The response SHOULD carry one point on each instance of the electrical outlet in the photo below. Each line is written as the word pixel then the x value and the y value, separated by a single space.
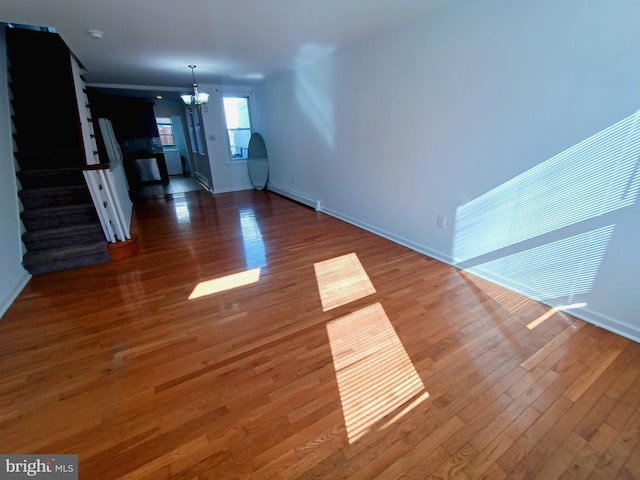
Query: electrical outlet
pixel 293 180
pixel 441 221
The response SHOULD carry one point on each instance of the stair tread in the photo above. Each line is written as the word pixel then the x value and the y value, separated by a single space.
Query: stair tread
pixel 47 160
pixel 47 171
pixel 50 190
pixel 66 209
pixel 51 177
pixel 48 153
pixel 69 263
pixel 60 253
pixel 61 231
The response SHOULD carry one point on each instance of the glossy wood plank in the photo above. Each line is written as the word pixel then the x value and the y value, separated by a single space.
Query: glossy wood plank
pixel 445 375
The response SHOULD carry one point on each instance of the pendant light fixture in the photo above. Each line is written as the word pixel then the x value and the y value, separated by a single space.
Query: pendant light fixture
pixel 196 99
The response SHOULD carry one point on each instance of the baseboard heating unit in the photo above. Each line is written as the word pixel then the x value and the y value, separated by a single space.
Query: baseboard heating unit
pixel 310 202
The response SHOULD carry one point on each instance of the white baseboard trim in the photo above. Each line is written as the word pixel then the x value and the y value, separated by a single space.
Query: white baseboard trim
pixel 621 328
pixel 583 313
pixel 8 297
pixel 390 236
pixel 298 197
pixel 608 323
pixel 232 189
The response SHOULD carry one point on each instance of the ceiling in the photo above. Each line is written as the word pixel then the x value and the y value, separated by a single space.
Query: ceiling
pixel 151 42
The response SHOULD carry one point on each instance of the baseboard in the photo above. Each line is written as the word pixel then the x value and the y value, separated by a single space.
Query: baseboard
pixel 623 329
pixel 232 189
pixel 390 236
pixel 8 297
pixel 298 197
pixel 582 313
pixel 608 323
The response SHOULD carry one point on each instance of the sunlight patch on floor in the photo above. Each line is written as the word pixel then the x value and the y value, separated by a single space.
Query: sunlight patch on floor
pixel 342 280
pixel 551 312
pixel 228 282
pixel 374 372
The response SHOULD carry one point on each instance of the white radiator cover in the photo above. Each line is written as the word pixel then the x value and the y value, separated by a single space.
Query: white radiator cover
pixel 310 202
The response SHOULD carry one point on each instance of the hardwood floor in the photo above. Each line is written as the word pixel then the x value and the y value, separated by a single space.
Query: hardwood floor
pixel 310 349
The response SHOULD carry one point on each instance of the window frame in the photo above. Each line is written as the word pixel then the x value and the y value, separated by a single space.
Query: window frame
pixel 245 92
pixel 168 123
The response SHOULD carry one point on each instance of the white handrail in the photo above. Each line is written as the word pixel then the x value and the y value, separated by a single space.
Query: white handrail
pixel 106 183
pixel 103 193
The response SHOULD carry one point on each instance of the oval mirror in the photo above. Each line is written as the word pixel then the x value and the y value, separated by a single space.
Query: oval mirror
pixel 257 162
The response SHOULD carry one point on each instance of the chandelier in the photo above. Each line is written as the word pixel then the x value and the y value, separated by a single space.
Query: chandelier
pixel 196 99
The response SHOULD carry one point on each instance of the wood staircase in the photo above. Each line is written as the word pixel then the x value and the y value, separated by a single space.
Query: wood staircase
pixel 62 227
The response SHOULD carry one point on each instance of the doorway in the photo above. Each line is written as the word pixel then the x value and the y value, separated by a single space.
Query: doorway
pixel 199 154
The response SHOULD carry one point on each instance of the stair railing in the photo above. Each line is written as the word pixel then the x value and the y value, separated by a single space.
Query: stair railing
pixel 106 182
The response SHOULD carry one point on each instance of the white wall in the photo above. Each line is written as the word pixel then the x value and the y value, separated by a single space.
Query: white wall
pixel 425 120
pixel 13 277
pixel 228 175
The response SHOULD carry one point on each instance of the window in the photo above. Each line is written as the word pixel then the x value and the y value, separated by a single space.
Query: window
pixel 237 114
pixel 165 130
